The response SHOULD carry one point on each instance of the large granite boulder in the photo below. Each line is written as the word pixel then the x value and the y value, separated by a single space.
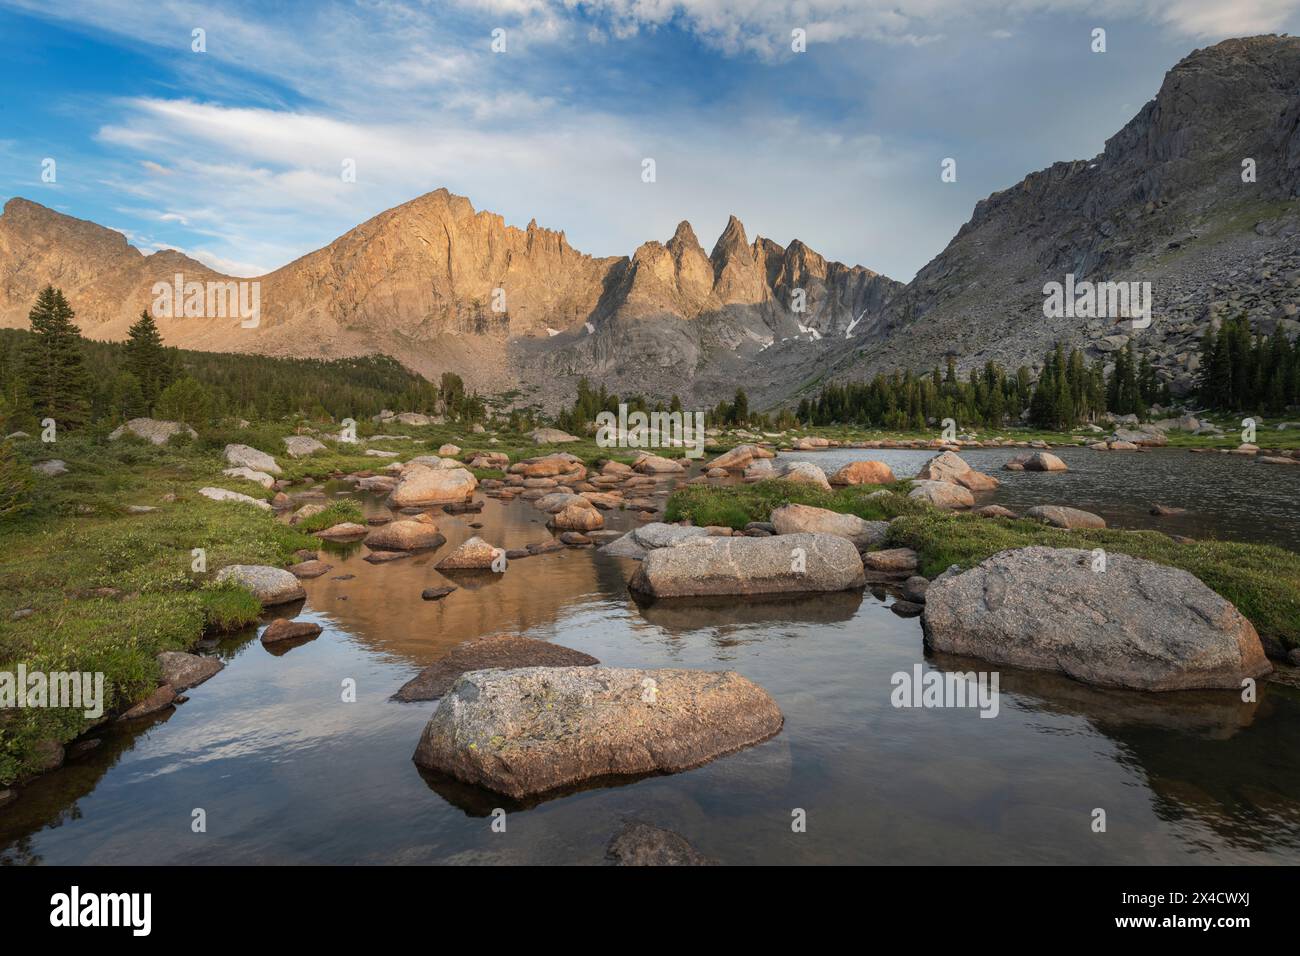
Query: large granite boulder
pixel 269 585
pixel 534 730
pixel 551 436
pixel 574 517
pixel 300 446
pixel 656 534
pixel 952 468
pixel 246 456
pixel 153 430
pixel 548 466
pixel 223 494
pixel 942 494
pixel 864 473
pixel 785 564
pixel 1044 461
pixel 421 485
pixel 648 464
pixel 248 474
pixel 404 535
pixel 802 471
pixel 1136 624
pixel 740 457
pixel 798 519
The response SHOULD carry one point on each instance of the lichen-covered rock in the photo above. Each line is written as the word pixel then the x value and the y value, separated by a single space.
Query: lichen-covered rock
pixel 535 730
pixel 785 564
pixel 1136 624
pixel 246 456
pixel 300 446
pixel 421 485
pixel 942 494
pixel 269 585
pixel 153 430
pixel 797 519
pixel 248 474
pixel 404 535
pixel 223 494
pixel 740 457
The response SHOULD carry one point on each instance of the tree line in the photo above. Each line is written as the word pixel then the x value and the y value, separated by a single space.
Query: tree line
pixel 52 371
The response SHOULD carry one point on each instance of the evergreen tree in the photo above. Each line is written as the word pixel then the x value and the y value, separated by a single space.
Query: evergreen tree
pixel 185 400
pixel 146 358
pixel 58 385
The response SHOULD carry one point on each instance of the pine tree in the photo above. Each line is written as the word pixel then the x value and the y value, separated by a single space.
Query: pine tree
pixel 146 358
pixel 57 382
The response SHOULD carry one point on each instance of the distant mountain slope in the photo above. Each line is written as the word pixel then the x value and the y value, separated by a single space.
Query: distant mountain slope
pixel 1164 202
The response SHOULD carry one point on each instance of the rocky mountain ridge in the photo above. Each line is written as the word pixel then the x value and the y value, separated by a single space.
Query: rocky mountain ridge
pixel 443 287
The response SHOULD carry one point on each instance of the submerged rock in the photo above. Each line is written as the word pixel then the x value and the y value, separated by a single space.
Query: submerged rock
pixel 1137 624
pixel 640 844
pixel 502 651
pixel 309 569
pixel 786 564
pixel 534 730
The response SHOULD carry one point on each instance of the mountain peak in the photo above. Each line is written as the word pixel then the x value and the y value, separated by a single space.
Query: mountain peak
pixel 731 243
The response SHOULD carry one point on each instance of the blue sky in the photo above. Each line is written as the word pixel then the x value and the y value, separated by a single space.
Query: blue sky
pixel 234 155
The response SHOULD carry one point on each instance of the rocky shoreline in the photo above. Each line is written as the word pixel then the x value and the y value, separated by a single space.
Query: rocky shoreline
pixel 1107 629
